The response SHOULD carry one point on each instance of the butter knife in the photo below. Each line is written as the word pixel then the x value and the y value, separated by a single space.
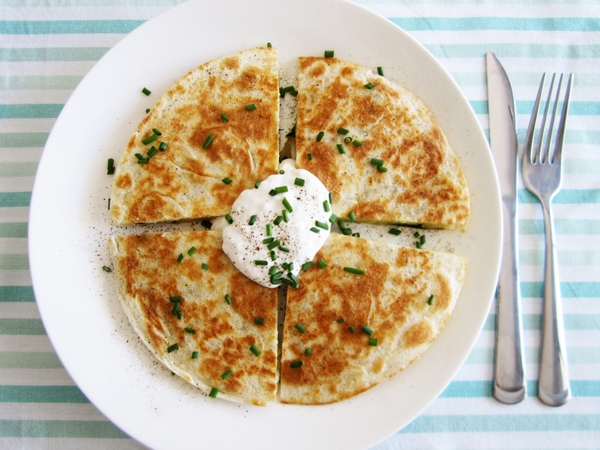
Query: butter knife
pixel 509 377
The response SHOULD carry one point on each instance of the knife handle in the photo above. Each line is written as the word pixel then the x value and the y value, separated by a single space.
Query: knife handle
pixel 509 376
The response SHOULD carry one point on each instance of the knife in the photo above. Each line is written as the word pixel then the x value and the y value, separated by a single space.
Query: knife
pixel 509 377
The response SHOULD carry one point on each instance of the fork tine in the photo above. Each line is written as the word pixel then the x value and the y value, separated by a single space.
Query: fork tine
pixel 528 145
pixel 562 126
pixel 545 156
pixel 539 155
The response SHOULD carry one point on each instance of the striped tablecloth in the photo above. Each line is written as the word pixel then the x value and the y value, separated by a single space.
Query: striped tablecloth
pixel 48 46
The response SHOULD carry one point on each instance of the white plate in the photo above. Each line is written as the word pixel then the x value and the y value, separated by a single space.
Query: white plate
pixel 69 224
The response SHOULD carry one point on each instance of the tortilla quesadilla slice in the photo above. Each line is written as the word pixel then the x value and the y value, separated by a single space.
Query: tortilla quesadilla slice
pixel 381 153
pixel 345 332
pixel 209 137
pixel 200 316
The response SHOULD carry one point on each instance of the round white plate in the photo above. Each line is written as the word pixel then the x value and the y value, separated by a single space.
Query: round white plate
pixel 69 225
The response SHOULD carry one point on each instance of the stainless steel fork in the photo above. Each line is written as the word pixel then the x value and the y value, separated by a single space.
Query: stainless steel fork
pixel 542 175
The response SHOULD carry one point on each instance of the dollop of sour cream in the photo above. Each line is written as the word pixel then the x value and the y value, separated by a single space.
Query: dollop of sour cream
pixel 285 220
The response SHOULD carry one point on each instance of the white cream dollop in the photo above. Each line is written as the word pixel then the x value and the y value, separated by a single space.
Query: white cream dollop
pixel 243 243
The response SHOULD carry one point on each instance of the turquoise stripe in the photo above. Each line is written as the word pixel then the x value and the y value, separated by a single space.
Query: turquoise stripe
pixel 13 230
pixel 15 140
pixel 575 322
pixel 68 26
pixel 82 429
pixel 14 262
pixel 39 82
pixel 564 196
pixel 486 423
pixel 52 54
pixel 13 199
pixel 30 111
pixel 561 226
pixel 30 327
pixel 21 294
pixel 29 360
pixel 565 257
pixel 497 23
pixel 41 394
pixel 103 3
pixel 482 389
pixel 18 169
pixel 532 51
pixel 575 355
pixel 526 107
pixel 571 289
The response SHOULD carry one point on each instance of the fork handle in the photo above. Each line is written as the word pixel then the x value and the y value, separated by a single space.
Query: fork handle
pixel 554 387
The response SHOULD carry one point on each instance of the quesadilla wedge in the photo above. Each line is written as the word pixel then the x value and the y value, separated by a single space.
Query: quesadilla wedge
pixel 374 309
pixel 381 154
pixel 198 314
pixel 209 137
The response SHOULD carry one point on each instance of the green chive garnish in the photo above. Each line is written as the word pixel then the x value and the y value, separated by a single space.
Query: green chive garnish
pixel 194 355
pixel 251 107
pixel 416 234
pixel 149 139
pixel 272 270
pixel 296 364
pixel 227 374
pixel 278 190
pixel 382 169
pixel 260 262
pixel 269 229
pixel 310 156
pixel 213 393
pixel 369 85
pixel 281 172
pixel 252 219
pixel 290 266
pixel 307 265
pixel 357 143
pixel 208 140
pixel 395 231
pixel 356 234
pixel 107 269
pixel 284 249
pixel 367 330
pixel 340 320
pixel 376 161
pixel 380 70
pixel 228 299
pixel 143 161
pixel 276 281
pixel 351 329
pixel 190 330
pixel 320 136
pixel 278 220
pixel 224 117
pixel 431 299
pixel 341 149
pixel 254 349
pixel 308 351
pixel 343 131
pixel 256 185
pixel 139 156
pixel 110 168
pixel 172 348
pixel 175 299
pixel 180 258
pixel 328 53
pixel 162 146
pixel 272 245
pixel 422 239
pixel 191 251
pixel 259 321
pixel 326 206
pixel 206 224
pixel 373 342
pixel 286 215
pixel 108 202
pixel 300 328
pixel 204 266
pixel 147 110
pixel 146 91
pixel 332 218
pixel 299 182
pixel 273 255
pixel 156 132
pixel 176 311
pixel 315 230
pixel 269 45
pixel 330 198
pixel 229 219
pixel 268 240
pixel 351 216
pixel 321 225
pixel 287 205
pixel 227 180
pixel 354 270
pixel 322 264
pixel 153 151
pixel 347 140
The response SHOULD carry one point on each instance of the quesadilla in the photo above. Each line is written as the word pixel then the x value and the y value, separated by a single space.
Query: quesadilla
pixel 199 315
pixel 362 315
pixel 209 137
pixel 376 147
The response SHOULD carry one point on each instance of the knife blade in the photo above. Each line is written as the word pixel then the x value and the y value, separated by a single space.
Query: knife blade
pixel 509 375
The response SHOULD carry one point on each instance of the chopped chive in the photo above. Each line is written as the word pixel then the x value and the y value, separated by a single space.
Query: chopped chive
pixel 326 206
pixel 204 266
pixel 162 146
pixel 296 364
pixel 300 328
pixel 431 299
pixel 285 265
pixel 180 258
pixel 367 330
pixel 321 225
pixel 277 274
pixel 376 161
pixel 320 136
pixel 156 132
pixel 351 329
pixel 229 219
pixel 341 225
pixel 340 320
pixel 273 255
pixel 224 117
pixel 299 181
pixel 194 355
pixel 276 281
pixel 146 91
pixel 278 190
pixel 254 349
pixel 322 264
pixel 107 269
pixel 269 45
pixel 108 202
pixel 143 161
pixel 284 249
pixel 269 229
pixel 315 230
pixel 206 224
pixel 286 215
pixel 341 149
pixel 293 277
pixel 357 143
pixel 139 156
pixel 347 140
pixel 252 219
pixel 228 299
pixel 382 169
pixel 332 218
pixel 343 131
pixel 259 321
pixel 227 180
pixel 308 351
pixel 172 348
pixel 272 245
pixel 347 231
pixel 307 265
pixel 328 53
pixel 227 374
pixel 416 234
pixel 290 266
pixel 369 85
pixel 330 198
pixel 284 90
pixel 395 231
pixel 260 262
pixel 147 110
pixel 149 139
pixel 190 330
pixel 213 393
pixel 251 107
pixel 380 70
pixel 208 140
pixel 268 240
pixel 256 185
pixel 373 342
pixel 310 157
pixel 356 234
pixel 287 205
pixel 110 167
pixel 354 270
pixel 191 251
pixel 272 270
pixel 175 299
pixel 153 151
pixel 422 239
pixel 351 216
pixel 176 311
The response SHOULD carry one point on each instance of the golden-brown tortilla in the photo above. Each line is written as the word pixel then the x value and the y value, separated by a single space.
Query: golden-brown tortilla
pixel 185 180
pixel 424 183
pixel 149 276
pixel 391 299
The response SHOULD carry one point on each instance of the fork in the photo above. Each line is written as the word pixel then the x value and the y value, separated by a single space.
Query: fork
pixel 542 175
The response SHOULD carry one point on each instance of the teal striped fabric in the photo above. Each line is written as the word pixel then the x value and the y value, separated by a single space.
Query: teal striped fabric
pixel 48 46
